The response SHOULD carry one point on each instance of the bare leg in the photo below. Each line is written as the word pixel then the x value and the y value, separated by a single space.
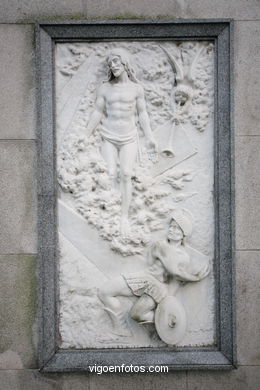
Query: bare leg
pixel 116 287
pixel 143 310
pixel 127 157
pixel 110 155
pixel 108 295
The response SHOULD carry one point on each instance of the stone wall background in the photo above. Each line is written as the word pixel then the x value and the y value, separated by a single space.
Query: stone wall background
pixel 18 205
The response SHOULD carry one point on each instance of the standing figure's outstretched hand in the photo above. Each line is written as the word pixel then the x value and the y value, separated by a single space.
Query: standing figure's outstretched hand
pixel 152 150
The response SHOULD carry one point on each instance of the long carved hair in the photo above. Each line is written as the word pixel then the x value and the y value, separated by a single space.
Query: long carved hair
pixel 123 55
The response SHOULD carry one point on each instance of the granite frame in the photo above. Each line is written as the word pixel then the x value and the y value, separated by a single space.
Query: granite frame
pixel 222 355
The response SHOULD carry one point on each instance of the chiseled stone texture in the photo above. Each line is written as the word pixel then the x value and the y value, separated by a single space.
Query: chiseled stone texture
pixel 17 80
pixel 162 381
pixel 18 233
pixel 18 292
pixel 247 78
pixel 244 378
pixel 247 192
pixel 25 11
pixel 248 303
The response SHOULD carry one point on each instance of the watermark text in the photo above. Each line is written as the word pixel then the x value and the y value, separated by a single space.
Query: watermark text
pixel 131 368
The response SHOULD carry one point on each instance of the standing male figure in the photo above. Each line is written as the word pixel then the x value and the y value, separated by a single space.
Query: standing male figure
pixel 118 101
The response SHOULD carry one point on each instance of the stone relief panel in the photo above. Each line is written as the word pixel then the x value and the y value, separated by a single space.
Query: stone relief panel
pixel 135 208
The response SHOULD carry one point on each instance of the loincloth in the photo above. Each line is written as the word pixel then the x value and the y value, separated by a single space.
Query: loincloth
pixel 144 283
pixel 118 139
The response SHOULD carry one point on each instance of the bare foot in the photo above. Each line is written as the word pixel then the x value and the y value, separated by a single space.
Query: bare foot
pixel 122 331
pixel 119 324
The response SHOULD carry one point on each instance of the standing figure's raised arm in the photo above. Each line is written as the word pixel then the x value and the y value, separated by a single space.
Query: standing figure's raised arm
pixel 145 124
pixel 142 113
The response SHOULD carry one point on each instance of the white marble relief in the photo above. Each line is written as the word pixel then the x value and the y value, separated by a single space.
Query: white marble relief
pixel 129 160
pixel 169 262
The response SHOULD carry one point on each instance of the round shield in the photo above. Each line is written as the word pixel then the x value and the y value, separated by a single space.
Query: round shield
pixel 170 320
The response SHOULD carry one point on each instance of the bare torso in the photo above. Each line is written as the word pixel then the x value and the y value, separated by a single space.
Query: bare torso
pixel 120 106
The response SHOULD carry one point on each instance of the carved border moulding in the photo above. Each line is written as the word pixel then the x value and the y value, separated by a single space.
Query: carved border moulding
pixel 135 194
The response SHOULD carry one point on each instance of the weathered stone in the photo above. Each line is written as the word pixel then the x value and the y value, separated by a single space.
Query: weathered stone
pixel 10 359
pixel 77 381
pixel 248 303
pixel 175 9
pixel 247 78
pixel 17 311
pixel 17 79
pixel 28 11
pixel 29 380
pixel 18 233
pixel 149 381
pixel 245 378
pixel 18 218
pixel 247 192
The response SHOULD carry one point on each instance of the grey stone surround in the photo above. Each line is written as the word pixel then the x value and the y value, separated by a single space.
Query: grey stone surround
pixel 18 234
